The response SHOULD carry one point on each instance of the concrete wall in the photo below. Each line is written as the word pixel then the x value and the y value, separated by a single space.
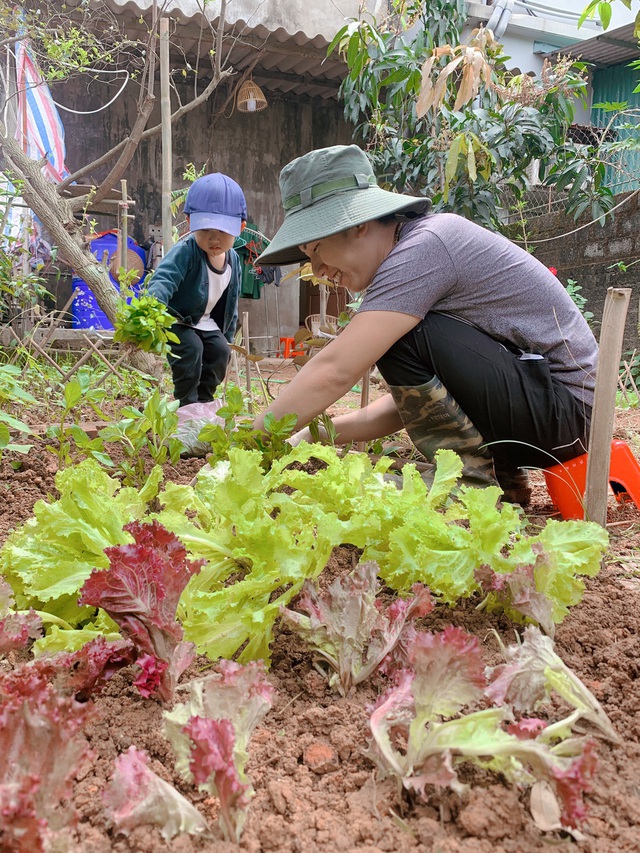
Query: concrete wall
pixel 587 255
pixel 251 148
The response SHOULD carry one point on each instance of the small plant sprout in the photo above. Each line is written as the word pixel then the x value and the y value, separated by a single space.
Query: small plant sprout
pixel 16 629
pixel 348 628
pixel 137 796
pixel 210 734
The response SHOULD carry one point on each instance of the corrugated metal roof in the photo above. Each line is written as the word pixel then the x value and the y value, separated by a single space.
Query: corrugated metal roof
pixel 613 47
pixel 288 39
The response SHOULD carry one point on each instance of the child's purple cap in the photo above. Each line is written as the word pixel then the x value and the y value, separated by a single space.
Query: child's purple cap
pixel 216 201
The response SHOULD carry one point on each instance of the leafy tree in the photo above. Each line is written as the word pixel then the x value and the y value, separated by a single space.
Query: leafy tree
pixel 448 120
pixel 602 9
pixel 85 38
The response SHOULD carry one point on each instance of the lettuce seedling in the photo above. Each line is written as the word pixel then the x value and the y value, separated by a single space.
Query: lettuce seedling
pixel 210 734
pixel 83 672
pixel 515 593
pixel 421 735
pixel 347 627
pixel 136 795
pixel 41 744
pixel 140 591
pixel 16 629
pixel 532 670
pixel 213 768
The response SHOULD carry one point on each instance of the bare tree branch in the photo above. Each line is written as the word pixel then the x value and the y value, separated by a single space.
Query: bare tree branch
pixel 150 131
pixel 128 150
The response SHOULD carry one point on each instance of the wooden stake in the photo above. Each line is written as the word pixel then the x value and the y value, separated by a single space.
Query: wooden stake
pixel 123 210
pixel 364 401
pixel 247 360
pixel 615 312
pixel 167 154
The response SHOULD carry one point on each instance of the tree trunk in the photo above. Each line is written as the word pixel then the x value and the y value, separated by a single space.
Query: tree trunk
pixel 57 217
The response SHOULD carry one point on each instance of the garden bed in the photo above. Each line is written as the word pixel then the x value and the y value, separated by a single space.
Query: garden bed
pixel 315 789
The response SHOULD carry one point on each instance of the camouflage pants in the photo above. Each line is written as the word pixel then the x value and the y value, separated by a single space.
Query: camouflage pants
pixel 434 420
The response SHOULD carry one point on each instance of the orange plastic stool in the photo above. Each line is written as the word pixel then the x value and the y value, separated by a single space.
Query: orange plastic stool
pixel 567 482
pixel 288 348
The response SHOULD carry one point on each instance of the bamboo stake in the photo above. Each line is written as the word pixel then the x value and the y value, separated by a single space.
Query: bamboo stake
pixel 364 401
pixel 604 404
pixel 167 154
pixel 247 360
pixel 123 210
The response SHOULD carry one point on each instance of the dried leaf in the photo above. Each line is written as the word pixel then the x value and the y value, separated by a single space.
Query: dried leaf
pixel 545 809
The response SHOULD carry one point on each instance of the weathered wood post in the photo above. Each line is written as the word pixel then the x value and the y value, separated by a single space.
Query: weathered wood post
pixel 165 118
pixel 604 404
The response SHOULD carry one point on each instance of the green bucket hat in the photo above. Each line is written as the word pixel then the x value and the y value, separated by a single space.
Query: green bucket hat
pixel 327 191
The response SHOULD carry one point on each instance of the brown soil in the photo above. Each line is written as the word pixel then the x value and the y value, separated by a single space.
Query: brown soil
pixel 315 790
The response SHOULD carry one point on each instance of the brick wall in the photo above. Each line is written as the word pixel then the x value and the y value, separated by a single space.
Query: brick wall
pixel 587 255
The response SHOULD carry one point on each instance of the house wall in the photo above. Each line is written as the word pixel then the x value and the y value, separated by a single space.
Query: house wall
pixel 616 85
pixel 250 148
pixel 587 256
pixel 536 27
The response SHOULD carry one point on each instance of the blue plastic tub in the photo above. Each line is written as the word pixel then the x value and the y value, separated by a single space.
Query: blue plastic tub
pixel 85 311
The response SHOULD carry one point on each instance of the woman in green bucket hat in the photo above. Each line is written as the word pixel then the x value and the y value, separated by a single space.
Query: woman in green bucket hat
pixel 482 348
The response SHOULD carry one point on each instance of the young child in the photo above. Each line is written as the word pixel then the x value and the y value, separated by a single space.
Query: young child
pixel 199 281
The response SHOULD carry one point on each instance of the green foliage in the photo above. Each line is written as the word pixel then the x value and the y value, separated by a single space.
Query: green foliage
pixel 466 159
pixel 600 9
pixel 77 392
pixel 65 44
pixel 190 175
pixel 263 533
pixel 145 322
pixel 47 560
pixel 238 432
pixel 573 289
pixel 151 430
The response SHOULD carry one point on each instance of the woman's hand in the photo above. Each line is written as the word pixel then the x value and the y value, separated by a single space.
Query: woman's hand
pixel 300 436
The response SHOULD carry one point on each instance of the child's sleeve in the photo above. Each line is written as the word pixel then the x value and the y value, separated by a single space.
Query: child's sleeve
pixel 170 273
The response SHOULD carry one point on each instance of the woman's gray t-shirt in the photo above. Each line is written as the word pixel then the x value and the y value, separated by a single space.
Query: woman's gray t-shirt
pixel 443 262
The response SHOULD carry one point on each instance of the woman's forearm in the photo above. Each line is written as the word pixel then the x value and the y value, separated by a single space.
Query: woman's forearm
pixel 376 420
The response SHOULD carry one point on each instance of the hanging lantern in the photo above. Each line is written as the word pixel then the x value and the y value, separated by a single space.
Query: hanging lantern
pixel 250 98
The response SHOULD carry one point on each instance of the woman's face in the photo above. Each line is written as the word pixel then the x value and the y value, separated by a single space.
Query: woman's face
pixel 350 259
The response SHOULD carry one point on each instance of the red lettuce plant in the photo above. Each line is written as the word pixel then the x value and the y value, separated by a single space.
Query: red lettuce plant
pixel 421 734
pixel 41 744
pixel 532 671
pixel 16 629
pixel 213 768
pixel 136 795
pixel 140 591
pixel 516 594
pixel 348 627
pixel 84 672
pixel 210 734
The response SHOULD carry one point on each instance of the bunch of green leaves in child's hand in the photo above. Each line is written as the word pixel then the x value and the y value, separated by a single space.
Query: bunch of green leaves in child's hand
pixel 145 322
pixel 238 431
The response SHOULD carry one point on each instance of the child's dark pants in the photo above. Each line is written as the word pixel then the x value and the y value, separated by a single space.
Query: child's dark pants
pixel 198 363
